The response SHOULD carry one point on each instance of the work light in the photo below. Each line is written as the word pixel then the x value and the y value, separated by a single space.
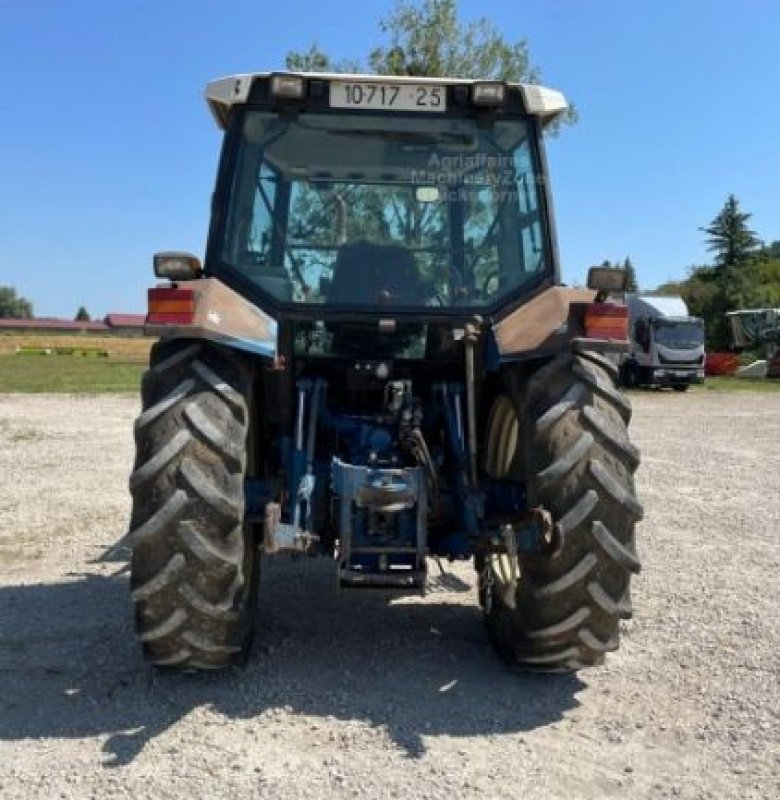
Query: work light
pixel 607 279
pixel 290 86
pixel 176 266
pixel 488 93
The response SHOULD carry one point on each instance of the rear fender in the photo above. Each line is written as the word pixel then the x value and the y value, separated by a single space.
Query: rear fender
pixel 550 322
pixel 222 316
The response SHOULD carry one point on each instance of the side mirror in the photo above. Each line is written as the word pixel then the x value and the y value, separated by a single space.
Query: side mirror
pixel 177 266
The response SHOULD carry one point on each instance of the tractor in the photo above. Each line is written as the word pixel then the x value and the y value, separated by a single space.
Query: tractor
pixel 377 362
pixel 757 329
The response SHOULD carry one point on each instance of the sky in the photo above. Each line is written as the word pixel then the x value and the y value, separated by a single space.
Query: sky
pixel 108 152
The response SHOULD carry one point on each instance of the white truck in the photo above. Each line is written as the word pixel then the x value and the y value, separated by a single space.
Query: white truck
pixel 667 343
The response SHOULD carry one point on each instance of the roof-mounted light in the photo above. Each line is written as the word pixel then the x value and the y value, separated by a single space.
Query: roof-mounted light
pixel 177 266
pixel 288 86
pixel 488 93
pixel 226 93
pixel 607 279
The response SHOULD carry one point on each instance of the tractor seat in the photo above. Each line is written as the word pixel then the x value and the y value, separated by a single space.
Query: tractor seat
pixel 366 273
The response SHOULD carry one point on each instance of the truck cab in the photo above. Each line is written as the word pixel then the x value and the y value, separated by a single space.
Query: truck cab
pixel 667 344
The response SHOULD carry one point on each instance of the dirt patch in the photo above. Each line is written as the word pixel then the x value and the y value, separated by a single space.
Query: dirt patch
pixel 351 695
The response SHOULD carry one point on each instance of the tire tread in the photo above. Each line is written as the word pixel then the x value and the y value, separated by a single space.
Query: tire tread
pixel 581 464
pixel 193 559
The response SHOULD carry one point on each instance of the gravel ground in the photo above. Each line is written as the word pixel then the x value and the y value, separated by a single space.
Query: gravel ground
pixel 349 695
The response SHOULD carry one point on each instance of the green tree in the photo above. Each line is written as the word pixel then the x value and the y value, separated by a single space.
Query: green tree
pixel 729 236
pixel 743 275
pixel 631 282
pixel 763 285
pixel 315 60
pixel 735 246
pixel 14 306
pixel 427 38
pixel 82 315
pixel 670 289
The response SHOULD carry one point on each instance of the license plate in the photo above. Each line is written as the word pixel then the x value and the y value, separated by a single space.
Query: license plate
pixel 387 96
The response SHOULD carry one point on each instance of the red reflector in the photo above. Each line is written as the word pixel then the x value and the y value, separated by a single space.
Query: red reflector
pixel 170 318
pixel 606 310
pixel 606 321
pixel 170 294
pixel 171 306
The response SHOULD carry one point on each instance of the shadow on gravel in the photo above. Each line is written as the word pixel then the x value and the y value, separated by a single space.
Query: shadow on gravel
pixel 69 667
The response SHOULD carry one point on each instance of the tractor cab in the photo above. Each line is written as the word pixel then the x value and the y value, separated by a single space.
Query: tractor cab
pixel 381 195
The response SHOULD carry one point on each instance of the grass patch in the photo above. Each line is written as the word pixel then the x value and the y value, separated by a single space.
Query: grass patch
pixel 125 348
pixel 69 374
pixel 729 384
pixel 75 374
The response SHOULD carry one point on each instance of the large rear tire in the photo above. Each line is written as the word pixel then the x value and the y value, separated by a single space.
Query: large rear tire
pixel 194 559
pixel 569 444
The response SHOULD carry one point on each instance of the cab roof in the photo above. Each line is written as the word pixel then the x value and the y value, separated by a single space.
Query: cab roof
pixel 224 93
pixel 651 305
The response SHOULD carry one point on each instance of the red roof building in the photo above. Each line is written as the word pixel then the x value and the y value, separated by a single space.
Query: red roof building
pixel 52 324
pixel 118 320
pixel 113 322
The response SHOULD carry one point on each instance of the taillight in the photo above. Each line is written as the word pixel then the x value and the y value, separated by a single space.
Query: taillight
pixel 606 321
pixel 171 307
